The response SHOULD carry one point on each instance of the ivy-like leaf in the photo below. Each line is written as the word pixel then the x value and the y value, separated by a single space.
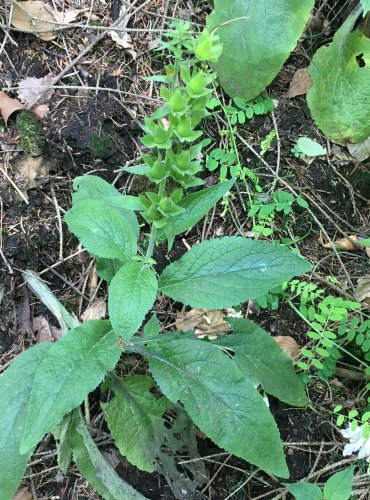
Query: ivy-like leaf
pixel 341 83
pixel 15 387
pixel 219 399
pixel 93 466
pixel 257 38
pixel 227 271
pixel 132 293
pixel 102 230
pixel 72 368
pixel 263 362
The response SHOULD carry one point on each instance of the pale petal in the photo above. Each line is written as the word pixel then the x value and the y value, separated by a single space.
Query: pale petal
pixel 365 450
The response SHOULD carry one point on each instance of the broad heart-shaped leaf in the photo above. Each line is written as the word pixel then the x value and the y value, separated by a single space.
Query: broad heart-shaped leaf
pixel 93 466
pixel 218 398
pixel 304 491
pixel 257 37
pixel 198 204
pixel 15 386
pixel 107 268
pixel 102 230
pixel 338 99
pixel 263 362
pixel 132 293
pixel 339 485
pixel 227 271
pixel 151 443
pixel 72 368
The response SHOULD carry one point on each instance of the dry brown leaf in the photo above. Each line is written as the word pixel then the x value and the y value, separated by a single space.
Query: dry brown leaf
pixel 362 290
pixel 34 15
pixel 300 84
pixel 23 494
pixel 42 330
pixel 360 151
pixel 97 310
pixel 288 345
pixel 204 323
pixel 31 89
pixel 41 110
pixel 367 250
pixel 8 106
pixel 30 172
pixel 122 38
pixel 344 243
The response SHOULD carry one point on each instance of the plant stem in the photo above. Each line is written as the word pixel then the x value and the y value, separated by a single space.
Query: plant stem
pixel 153 231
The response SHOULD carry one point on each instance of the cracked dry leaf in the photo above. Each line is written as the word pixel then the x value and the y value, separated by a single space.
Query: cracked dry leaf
pixel 300 84
pixel 344 243
pixel 362 290
pixel 203 322
pixel 8 106
pixel 96 310
pixel 30 172
pixel 30 89
pixel 39 18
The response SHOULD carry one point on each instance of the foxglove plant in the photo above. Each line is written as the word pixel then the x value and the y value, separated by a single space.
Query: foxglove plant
pixel 208 384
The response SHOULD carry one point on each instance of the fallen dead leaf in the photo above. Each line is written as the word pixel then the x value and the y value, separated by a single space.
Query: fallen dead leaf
pixel 23 494
pixel 203 323
pixel 360 151
pixel 31 89
pixel 97 310
pixel 35 16
pixel 344 243
pixel 122 38
pixel 30 172
pixel 362 290
pixel 288 345
pixel 300 84
pixel 8 106
pixel 42 330
pixel 41 110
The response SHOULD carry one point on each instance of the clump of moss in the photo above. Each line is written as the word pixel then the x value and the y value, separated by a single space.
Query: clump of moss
pixel 101 145
pixel 29 129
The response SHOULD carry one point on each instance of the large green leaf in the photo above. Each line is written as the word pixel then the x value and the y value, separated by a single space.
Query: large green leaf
pixel 264 363
pixel 338 98
pixel 102 230
pixel 71 368
pixel 15 387
pixel 219 399
pixel 93 466
pixel 152 442
pixel 339 485
pixel 198 204
pixel 132 293
pixel 227 271
pixel 257 37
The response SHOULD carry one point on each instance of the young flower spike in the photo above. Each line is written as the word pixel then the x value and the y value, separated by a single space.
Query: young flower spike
pixel 359 442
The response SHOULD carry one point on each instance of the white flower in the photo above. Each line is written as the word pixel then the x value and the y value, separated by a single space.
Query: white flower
pixel 357 443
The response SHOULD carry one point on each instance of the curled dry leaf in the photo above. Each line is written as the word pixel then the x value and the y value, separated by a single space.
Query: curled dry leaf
pixel 42 329
pixel 360 151
pixel 8 106
pixel 97 310
pixel 362 290
pixel 300 84
pixel 35 16
pixel 288 345
pixel 31 89
pixel 203 323
pixel 122 38
pixel 344 243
